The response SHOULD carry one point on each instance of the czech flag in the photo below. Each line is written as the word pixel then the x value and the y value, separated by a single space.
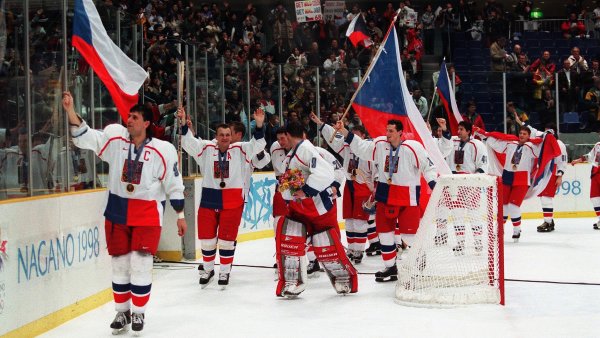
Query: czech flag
pixel 383 95
pixel 121 75
pixel 545 164
pixel 446 94
pixel 357 32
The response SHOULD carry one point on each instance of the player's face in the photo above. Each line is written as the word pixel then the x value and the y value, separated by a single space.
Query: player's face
pixel 223 138
pixel 523 136
pixel 236 137
pixel 283 141
pixel 136 125
pixel 463 134
pixel 393 135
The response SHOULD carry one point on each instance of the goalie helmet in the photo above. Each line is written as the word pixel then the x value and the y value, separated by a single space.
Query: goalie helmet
pixel 369 206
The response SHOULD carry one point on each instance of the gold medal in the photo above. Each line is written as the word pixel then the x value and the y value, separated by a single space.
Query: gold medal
pixel 458 167
pixel 390 180
pixel 353 176
pixel 514 167
pixel 222 184
pixel 130 188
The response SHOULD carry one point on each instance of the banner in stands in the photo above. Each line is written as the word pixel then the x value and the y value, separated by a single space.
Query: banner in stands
pixel 334 10
pixel 309 10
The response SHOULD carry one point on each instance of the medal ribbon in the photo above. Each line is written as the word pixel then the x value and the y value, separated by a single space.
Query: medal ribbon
pixel 393 160
pixel 293 154
pixel 130 167
pixel 222 160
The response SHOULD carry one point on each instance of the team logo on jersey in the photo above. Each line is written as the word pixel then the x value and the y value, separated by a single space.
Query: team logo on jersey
pixel 137 172
pixel 387 165
pixel 175 170
pixel 217 169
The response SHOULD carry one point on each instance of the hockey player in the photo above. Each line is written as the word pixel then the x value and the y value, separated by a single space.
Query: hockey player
pixel 399 167
pixel 520 161
pixel 224 166
pixel 259 161
pixel 359 187
pixel 593 157
pixel 547 196
pixel 467 155
pixel 142 171
pixel 311 211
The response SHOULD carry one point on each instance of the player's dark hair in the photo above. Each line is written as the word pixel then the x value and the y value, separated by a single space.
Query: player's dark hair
pixel 399 126
pixel 147 115
pixel 467 125
pixel 295 129
pixel 238 127
pixel 281 130
pixel 360 129
pixel 222 126
pixel 552 126
pixel 525 128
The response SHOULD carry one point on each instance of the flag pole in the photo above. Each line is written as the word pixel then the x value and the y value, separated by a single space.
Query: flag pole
pixel 432 100
pixel 362 81
pixel 178 123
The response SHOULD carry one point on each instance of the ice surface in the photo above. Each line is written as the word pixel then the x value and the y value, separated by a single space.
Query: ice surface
pixel 249 307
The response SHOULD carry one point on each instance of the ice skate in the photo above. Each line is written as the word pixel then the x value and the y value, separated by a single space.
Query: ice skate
pixel 374 249
pixel 206 277
pixel 596 226
pixel 516 234
pixel 121 322
pixel 357 257
pixel 223 280
pixel 387 275
pixel 137 323
pixel 313 269
pixel 546 227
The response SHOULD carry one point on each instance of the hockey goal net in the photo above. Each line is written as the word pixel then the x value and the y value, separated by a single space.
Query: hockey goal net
pixel 457 254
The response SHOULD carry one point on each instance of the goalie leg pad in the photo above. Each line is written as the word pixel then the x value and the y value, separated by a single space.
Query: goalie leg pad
pixel 330 253
pixel 291 262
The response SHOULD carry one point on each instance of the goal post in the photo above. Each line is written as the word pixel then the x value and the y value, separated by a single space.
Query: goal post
pixel 457 255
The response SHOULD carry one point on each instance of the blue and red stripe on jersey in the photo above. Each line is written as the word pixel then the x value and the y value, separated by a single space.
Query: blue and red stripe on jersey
pixel 221 199
pixel 132 212
pixel 397 195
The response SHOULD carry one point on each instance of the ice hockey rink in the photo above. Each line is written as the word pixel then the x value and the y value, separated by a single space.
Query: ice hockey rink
pixel 552 290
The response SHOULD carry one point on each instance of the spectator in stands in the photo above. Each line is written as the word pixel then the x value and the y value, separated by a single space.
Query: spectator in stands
pixel 546 108
pixel 543 74
pixel 495 26
pixel 374 31
pixel 523 9
pixel 589 76
pixel 473 116
pixel 427 20
pixel 282 29
pixel 448 21
pixel 519 81
pixel 513 57
pixel 573 27
pixel 592 103
pixel 512 126
pixel 280 52
pixel 313 56
pixel 421 102
pixel 498 55
pixel 569 85
pixel 577 61
pixel 596 18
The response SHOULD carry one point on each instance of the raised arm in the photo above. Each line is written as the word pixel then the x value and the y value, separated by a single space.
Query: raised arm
pixel 364 149
pixel 84 137
pixel 257 142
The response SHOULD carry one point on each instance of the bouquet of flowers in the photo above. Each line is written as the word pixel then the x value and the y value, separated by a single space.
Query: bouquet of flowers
pixel 290 182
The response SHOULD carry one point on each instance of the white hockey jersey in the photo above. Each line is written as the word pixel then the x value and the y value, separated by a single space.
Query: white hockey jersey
pixel 278 155
pixel 317 172
pixel 561 160
pixel 355 169
pixel 520 160
pixel 469 157
pixel 338 169
pixel 155 175
pixel 404 186
pixel 231 169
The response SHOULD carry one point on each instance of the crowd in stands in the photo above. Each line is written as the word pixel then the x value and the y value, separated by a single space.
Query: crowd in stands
pixel 266 37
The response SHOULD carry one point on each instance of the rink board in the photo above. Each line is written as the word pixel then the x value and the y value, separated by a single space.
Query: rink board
pixel 52 269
